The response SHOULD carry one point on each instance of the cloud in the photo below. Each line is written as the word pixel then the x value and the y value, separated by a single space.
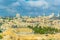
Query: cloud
pixel 57 2
pixel 18 3
pixel 15 4
pixel 38 4
pixel 34 0
pixel 2 7
pixel 7 9
pixel 30 6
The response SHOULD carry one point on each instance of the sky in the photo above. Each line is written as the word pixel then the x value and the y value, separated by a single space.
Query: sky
pixel 29 7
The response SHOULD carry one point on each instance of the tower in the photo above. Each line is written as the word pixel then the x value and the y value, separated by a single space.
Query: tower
pixel 17 15
pixel 52 15
pixel 58 15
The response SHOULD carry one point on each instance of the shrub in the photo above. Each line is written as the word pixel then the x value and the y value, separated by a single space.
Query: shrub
pixel 44 30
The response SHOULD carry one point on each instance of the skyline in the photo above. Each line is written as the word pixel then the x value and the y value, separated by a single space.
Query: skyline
pixel 29 7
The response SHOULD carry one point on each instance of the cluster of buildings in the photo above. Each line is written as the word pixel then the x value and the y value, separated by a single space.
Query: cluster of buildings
pixel 13 26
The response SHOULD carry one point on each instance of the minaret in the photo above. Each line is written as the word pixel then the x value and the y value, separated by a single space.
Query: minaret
pixel 58 15
pixel 43 19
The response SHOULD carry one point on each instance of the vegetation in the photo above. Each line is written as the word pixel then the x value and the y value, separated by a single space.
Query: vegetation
pixel 1 36
pixel 0 31
pixel 44 30
pixel 9 18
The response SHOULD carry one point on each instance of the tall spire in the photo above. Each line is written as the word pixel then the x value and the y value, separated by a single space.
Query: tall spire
pixel 58 15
